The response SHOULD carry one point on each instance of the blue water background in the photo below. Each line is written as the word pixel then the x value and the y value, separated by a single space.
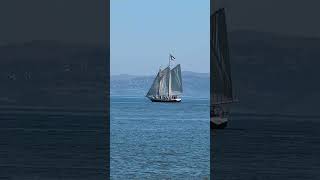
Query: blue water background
pixel 159 140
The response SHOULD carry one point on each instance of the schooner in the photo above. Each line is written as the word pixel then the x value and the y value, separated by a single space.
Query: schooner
pixel 167 85
pixel 221 82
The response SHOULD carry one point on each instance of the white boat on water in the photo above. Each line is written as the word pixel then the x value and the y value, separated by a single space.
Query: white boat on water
pixel 167 85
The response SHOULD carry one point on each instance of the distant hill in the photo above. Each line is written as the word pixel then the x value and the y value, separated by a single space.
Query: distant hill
pixel 194 84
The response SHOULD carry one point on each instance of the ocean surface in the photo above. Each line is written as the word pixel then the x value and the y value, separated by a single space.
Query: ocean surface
pixel 159 140
pixel 263 147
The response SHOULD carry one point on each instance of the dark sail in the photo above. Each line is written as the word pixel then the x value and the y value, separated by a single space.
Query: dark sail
pixel 154 89
pixel 176 80
pixel 221 82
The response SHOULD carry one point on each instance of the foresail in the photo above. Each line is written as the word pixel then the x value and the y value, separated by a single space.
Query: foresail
pixel 176 80
pixel 220 63
pixel 154 89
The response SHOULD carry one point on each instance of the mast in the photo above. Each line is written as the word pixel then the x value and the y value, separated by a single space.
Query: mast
pixel 212 7
pixel 212 53
pixel 159 82
pixel 169 87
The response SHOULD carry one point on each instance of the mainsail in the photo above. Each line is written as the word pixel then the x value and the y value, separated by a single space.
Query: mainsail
pixel 164 82
pixel 220 66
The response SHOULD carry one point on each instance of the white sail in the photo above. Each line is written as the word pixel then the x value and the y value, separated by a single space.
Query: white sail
pixel 164 82
pixel 154 89
pixel 176 81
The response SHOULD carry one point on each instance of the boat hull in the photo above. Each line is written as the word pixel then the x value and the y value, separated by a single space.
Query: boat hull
pixel 219 116
pixel 166 100
pixel 218 124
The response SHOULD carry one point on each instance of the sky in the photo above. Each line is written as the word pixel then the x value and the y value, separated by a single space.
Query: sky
pixel 144 32
pixel 291 17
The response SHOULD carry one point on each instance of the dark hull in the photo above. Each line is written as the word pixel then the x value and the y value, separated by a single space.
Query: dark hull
pixel 165 101
pixel 218 126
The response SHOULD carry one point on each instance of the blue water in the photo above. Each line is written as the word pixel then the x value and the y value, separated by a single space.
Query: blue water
pixel 159 140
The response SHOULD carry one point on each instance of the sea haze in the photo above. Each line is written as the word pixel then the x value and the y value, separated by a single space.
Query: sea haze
pixel 195 85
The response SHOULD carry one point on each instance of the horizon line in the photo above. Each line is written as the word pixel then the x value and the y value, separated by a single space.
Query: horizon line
pixel 153 74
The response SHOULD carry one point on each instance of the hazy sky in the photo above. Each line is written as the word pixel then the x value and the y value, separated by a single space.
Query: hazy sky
pixel 295 17
pixel 144 31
